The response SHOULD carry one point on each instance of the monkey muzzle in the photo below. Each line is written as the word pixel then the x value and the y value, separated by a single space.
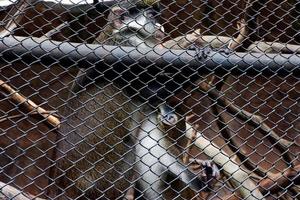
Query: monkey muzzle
pixel 167 115
pixel 159 35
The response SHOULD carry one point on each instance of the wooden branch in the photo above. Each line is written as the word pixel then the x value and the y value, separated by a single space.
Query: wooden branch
pixel 250 118
pixel 221 41
pixel 256 47
pixel 183 42
pixel 30 105
pixel 5 118
pixel 9 192
pixel 239 177
pixel 281 181
pixel 273 47
pixel 221 123
pixel 14 17
pixel 56 30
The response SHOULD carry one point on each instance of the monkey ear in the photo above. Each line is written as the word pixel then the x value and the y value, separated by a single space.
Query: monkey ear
pixel 116 16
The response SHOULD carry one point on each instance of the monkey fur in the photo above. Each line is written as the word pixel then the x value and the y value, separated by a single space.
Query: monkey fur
pixel 100 138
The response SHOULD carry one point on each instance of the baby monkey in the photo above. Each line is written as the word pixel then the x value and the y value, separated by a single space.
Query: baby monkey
pixel 158 162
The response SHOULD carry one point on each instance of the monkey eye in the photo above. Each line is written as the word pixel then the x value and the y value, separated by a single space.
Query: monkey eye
pixel 124 16
pixel 152 14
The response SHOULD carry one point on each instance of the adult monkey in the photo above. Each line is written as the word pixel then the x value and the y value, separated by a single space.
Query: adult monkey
pixel 97 149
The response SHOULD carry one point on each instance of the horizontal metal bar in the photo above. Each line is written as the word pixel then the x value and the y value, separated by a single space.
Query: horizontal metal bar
pixel 159 60
pixel 153 74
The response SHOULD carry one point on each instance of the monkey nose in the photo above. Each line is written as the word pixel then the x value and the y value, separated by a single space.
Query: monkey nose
pixel 159 35
pixel 170 119
pixel 160 32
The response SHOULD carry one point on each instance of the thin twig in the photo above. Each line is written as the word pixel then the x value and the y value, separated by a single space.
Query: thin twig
pixel 30 105
pixel 250 118
pixel 5 118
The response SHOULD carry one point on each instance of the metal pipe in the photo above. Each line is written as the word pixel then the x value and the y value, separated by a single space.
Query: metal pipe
pixel 156 60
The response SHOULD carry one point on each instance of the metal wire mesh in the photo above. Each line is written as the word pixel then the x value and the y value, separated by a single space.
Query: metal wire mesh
pixel 148 99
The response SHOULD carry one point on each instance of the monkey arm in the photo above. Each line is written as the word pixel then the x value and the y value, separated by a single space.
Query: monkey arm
pixel 179 170
pixel 167 118
pixel 158 156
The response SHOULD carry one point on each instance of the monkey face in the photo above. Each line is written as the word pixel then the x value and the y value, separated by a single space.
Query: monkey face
pixel 137 24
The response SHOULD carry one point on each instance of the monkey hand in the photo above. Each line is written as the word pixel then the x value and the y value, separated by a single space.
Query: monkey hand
pixel 201 52
pixel 209 172
pixel 225 49
pixel 210 169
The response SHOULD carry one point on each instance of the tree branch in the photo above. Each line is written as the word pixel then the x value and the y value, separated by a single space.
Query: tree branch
pixel 30 105
pixel 5 118
pixel 239 177
pixel 254 120
pixel 183 42
pixel 281 181
pixel 273 47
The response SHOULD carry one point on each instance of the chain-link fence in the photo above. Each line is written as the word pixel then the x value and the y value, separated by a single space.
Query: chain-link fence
pixel 148 99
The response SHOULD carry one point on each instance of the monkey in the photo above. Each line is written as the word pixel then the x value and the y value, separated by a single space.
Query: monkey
pixel 133 25
pixel 95 156
pixel 158 161
pixel 100 134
